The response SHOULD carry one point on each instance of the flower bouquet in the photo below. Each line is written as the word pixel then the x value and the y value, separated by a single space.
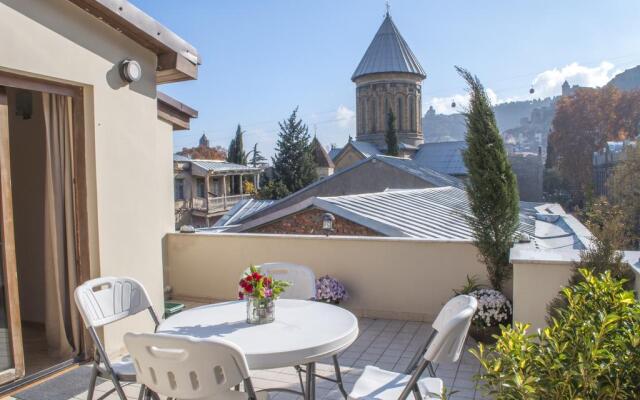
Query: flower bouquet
pixel 330 290
pixel 260 291
pixel 494 309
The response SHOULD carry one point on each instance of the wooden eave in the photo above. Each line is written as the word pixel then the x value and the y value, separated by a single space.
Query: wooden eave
pixel 174 112
pixel 177 59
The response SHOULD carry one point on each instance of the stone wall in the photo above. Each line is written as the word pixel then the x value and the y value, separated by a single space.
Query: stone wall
pixel 309 222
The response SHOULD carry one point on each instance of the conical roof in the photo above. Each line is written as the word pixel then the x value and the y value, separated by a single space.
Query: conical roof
pixel 388 52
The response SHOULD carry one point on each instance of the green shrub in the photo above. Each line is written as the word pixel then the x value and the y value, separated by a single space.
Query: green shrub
pixel 591 350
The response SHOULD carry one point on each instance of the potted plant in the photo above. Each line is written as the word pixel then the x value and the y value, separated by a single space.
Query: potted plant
pixel 330 290
pixel 260 291
pixel 494 309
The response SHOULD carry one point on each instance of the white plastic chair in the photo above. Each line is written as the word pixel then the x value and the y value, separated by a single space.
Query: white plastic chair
pixel 102 301
pixel 187 368
pixel 451 328
pixel 302 278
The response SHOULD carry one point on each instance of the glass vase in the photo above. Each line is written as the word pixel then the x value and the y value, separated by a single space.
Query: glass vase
pixel 260 310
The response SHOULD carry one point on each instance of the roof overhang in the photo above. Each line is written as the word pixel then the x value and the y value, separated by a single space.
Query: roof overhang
pixel 177 59
pixel 174 112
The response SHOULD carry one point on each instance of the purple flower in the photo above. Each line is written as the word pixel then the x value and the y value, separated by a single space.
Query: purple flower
pixel 330 289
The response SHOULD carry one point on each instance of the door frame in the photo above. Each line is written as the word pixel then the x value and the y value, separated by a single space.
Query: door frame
pixel 80 185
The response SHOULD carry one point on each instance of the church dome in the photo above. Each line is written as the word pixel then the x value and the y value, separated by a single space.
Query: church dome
pixel 388 52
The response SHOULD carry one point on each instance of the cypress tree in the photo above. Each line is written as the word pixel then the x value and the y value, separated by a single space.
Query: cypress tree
pixel 491 185
pixel 293 163
pixel 391 136
pixel 236 152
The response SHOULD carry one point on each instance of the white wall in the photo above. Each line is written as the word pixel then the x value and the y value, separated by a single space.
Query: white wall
pixel 129 168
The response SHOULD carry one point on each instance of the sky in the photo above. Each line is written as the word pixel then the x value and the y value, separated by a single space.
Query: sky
pixel 263 58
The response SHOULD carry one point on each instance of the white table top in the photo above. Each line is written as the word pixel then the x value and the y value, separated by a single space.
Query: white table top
pixel 303 331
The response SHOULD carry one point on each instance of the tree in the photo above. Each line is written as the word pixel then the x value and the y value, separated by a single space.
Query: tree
pixel 582 124
pixel 256 156
pixel 236 152
pixel 625 193
pixel 293 163
pixel 273 190
pixel 391 136
pixel 491 185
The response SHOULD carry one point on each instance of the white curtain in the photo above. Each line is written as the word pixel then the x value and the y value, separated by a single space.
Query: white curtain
pixel 61 323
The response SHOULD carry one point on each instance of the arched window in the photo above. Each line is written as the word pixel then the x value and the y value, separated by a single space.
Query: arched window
pixel 387 108
pixel 412 113
pixel 399 116
pixel 374 115
pixel 361 119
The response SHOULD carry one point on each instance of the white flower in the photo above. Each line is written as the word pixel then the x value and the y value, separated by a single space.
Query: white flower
pixel 493 307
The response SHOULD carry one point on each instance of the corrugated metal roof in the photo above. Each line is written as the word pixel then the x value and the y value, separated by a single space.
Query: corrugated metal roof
pixel 180 158
pixel 242 209
pixel 388 52
pixel 434 177
pixel 445 157
pixel 365 148
pixel 433 213
pixel 222 166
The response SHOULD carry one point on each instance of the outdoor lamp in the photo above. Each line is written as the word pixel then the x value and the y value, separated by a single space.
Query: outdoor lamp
pixel 327 223
pixel 130 70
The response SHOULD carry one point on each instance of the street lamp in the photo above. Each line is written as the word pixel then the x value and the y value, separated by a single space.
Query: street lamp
pixel 327 223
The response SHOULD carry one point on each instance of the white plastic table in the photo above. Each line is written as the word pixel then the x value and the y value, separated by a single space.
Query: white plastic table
pixel 303 333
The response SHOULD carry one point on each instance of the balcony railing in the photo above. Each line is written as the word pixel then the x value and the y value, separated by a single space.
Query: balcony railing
pixel 216 204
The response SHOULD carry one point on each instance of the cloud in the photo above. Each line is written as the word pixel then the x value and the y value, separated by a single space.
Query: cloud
pixel 345 116
pixel 549 82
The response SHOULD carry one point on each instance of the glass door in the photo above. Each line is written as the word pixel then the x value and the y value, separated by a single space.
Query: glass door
pixel 11 351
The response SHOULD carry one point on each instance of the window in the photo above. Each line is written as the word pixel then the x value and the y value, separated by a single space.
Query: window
pixel 374 112
pixel 178 189
pixel 200 187
pixel 399 124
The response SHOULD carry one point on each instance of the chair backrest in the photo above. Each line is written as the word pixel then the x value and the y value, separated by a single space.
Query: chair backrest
pixel 302 278
pixel 452 326
pixel 105 300
pixel 184 367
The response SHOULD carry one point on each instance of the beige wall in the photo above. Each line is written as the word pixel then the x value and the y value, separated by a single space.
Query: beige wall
pixel 386 277
pixel 129 214
pixel 534 286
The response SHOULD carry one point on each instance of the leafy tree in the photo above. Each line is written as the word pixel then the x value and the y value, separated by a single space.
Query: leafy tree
pixel 293 163
pixel 491 185
pixel 591 351
pixel 273 190
pixel 391 136
pixel 625 192
pixel 583 123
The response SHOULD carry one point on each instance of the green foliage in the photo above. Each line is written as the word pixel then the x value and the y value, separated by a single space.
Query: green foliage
pixel 471 286
pixel 293 164
pixel 256 156
pixel 236 153
pixel 491 186
pixel 273 190
pixel 391 136
pixel 607 224
pixel 590 351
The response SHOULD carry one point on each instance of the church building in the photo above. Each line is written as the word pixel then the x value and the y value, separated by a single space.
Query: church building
pixel 388 79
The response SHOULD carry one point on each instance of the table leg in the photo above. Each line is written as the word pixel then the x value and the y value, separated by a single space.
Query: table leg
pixel 310 389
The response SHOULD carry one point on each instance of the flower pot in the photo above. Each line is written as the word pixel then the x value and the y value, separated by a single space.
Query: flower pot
pixel 484 334
pixel 260 310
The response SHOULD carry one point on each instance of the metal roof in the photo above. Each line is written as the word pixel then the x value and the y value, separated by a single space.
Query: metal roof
pixel 181 158
pixel 445 157
pixel 388 52
pixel 432 176
pixel 242 209
pixel 222 166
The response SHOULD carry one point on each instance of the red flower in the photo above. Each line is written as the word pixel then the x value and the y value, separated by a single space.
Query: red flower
pixel 267 281
pixel 256 276
pixel 249 289
pixel 240 295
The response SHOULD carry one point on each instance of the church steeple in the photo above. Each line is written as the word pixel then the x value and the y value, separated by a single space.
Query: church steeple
pixel 204 141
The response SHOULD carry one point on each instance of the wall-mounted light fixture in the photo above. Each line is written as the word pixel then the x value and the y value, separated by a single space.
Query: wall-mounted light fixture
pixel 327 223
pixel 130 70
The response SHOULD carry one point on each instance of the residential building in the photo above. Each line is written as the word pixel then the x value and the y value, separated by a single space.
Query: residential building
pixel 85 169
pixel 205 189
pixel 373 174
pixel 389 78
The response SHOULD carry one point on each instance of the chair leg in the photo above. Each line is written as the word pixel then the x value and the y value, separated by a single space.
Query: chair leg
pixel 92 382
pixel 118 387
pixel 336 366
